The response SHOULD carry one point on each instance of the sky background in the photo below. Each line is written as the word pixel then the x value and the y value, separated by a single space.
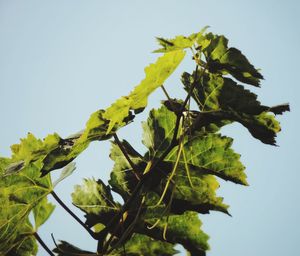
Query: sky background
pixel 62 60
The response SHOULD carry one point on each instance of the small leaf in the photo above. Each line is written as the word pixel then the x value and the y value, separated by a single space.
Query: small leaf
pixel 66 172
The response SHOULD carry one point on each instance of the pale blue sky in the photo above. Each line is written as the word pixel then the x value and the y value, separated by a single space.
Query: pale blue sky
pixel 62 60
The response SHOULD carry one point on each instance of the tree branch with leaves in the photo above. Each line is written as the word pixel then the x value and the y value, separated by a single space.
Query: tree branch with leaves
pixel 163 189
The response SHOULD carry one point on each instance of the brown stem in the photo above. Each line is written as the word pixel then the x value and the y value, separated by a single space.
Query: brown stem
pixel 41 242
pixel 68 210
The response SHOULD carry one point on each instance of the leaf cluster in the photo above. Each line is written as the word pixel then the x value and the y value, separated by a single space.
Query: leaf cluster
pixel 163 189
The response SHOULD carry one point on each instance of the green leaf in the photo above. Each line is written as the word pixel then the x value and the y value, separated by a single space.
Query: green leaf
pixel 156 74
pixel 20 193
pixel 158 131
pixel 221 59
pixel 95 199
pixel 146 246
pixel 122 178
pixel 180 42
pixel 66 172
pixel 211 154
pixel 66 249
pixel 24 243
pixel 67 150
pixel 56 152
pixel 232 102
pixel 214 92
pixel 42 212
pixel 30 150
pixel 182 229
pixel 192 187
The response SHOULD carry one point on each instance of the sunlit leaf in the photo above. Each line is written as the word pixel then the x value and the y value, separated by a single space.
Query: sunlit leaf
pixel 156 74
pixel 184 229
pixel 180 42
pixel 21 193
pixel 42 212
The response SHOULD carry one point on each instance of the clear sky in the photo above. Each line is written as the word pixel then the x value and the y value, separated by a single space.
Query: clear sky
pixel 62 60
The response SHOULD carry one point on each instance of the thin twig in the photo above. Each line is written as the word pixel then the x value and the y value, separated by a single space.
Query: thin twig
pixel 41 242
pixel 166 93
pixel 68 210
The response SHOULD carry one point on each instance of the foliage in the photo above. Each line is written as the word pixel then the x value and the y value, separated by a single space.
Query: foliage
pixel 165 188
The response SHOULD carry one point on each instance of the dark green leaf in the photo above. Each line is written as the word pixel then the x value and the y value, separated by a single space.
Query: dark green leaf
pixel 232 102
pixel 66 249
pixel 221 59
pixel 158 131
pixel 122 178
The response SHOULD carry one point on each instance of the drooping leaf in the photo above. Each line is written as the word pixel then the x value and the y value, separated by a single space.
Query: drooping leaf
pixel 222 59
pixel 214 92
pixel 156 74
pixel 232 102
pixel 95 199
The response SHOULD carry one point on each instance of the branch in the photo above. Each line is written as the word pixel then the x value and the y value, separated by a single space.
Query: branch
pixel 55 196
pixel 116 219
pixel 41 242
